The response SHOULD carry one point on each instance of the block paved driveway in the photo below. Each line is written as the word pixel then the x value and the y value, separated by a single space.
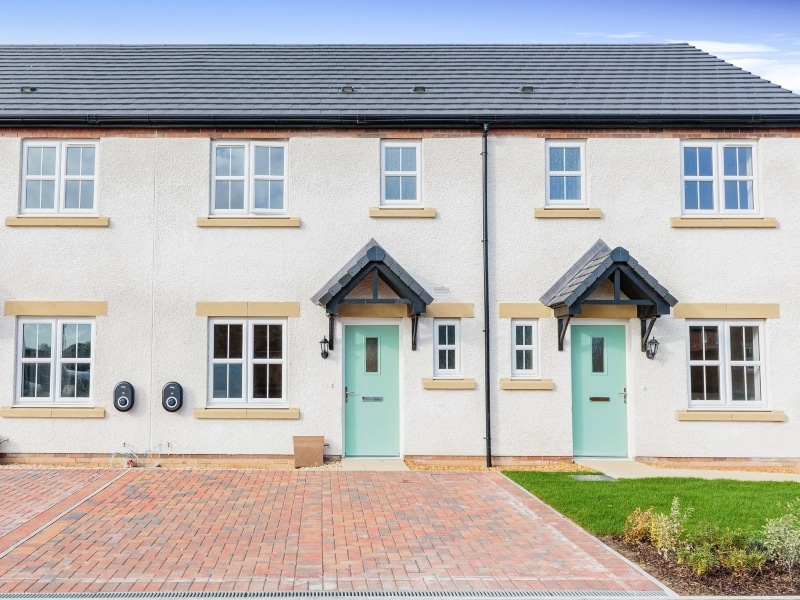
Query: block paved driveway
pixel 76 530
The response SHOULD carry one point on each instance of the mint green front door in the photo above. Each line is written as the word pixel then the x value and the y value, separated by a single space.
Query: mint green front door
pixel 372 390
pixel 599 400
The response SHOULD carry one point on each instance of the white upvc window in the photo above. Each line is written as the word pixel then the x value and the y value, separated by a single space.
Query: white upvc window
pixel 524 356
pixel 248 178
pixel 726 364
pixel 247 362
pixel 446 348
pixel 719 178
pixel 58 177
pixel 400 173
pixel 566 173
pixel 54 361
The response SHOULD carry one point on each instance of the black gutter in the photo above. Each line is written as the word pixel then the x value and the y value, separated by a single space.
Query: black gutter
pixel 486 381
pixel 633 121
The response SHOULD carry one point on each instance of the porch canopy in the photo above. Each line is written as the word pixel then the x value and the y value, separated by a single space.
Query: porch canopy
pixel 374 265
pixel 632 285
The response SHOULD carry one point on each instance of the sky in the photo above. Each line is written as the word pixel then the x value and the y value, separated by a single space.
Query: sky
pixel 760 36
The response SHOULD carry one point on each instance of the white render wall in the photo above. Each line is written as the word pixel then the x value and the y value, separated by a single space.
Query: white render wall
pixel 153 264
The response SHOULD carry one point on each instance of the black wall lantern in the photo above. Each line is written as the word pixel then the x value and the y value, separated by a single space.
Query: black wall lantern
pixel 652 348
pixel 324 344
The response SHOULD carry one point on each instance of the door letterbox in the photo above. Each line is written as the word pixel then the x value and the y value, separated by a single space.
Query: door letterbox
pixel 123 396
pixel 172 397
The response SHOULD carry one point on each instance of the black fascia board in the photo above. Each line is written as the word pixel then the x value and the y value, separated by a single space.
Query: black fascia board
pixel 101 121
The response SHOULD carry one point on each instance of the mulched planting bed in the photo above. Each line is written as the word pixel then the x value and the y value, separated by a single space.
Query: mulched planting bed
pixel 772 580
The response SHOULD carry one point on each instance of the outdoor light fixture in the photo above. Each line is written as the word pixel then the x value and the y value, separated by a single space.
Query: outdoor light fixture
pixel 652 348
pixel 324 344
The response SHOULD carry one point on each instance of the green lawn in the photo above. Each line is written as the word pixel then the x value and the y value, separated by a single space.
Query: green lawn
pixel 601 507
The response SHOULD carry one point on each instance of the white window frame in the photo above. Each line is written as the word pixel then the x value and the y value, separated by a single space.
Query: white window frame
pixel 581 145
pixel 718 178
pixel 533 372
pixel 55 361
pixel 247 362
pixel 249 178
pixel 418 173
pixel 455 372
pixel 725 363
pixel 60 178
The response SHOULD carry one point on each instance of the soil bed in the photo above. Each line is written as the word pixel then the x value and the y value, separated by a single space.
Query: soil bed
pixel 772 580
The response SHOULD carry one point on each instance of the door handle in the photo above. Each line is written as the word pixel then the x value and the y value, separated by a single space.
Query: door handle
pixel 347 393
pixel 624 394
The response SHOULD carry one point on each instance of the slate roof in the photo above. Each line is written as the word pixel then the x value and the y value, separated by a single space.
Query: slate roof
pixel 194 85
pixel 358 266
pixel 595 265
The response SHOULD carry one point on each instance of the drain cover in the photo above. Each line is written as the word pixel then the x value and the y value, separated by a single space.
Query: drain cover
pixel 593 478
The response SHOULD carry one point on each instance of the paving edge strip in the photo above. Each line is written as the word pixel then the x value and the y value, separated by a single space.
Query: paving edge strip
pixel 383 595
pixel 55 519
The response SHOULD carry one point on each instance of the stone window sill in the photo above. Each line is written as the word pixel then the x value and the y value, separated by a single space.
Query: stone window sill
pixel 526 384
pixel 248 222
pixel 57 221
pixel 288 414
pixel 430 383
pixel 723 223
pixel 567 213
pixel 772 416
pixel 52 412
pixel 402 213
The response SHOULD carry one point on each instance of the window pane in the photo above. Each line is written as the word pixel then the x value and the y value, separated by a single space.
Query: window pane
pixel 519 336
pixel 276 195
pixel 738 385
pixel 706 195
pixel 261 160
pixel 705 160
pixel 73 161
pixel 234 381
pixel 260 341
pixel 409 191
pixel 87 162
pixel 275 381
pixel 33 192
pixel 690 195
pixel 556 159
pixel 72 194
pixel 392 159
pixel 235 337
pixel 261 193
pixel 451 359
pixel 731 195
pixel 524 360
pixel 696 343
pixel 371 355
pixel 75 380
pixel 220 383
pixel 42 380
pixel 276 341
pixel 690 162
pixel 29 384
pixel 712 383
pixel 753 375
pixel 573 191
pixel 732 161
pixel 393 188
pixel 737 343
pixel 746 195
pixel 409 159
pixel 709 344
pixel 598 355
pixel 220 341
pixel 36 341
pixel 237 195
pixel 87 194
pixel 260 381
pixel 697 383
pixel 572 159
pixel 745 162
pixel 223 161
pixel 69 341
pixel 442 360
pixel 34 161
pixel 557 188
pixel 276 162
pixel 752 349
pixel 237 162
pixel 84 340
pixel 222 195
pixel 48 194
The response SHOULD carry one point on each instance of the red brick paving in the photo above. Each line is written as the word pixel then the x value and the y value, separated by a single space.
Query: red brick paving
pixel 253 530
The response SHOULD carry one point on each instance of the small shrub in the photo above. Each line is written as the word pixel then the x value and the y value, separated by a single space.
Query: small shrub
pixel 740 561
pixel 637 525
pixel 700 558
pixel 782 536
pixel 666 530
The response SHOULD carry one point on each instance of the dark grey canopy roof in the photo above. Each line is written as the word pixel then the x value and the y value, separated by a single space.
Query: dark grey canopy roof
pixel 465 85
pixel 372 258
pixel 600 263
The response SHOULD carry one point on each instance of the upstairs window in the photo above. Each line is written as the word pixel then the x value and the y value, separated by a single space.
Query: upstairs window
pixel 400 173
pixel 248 178
pixel 565 174
pixel 58 177
pixel 719 178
